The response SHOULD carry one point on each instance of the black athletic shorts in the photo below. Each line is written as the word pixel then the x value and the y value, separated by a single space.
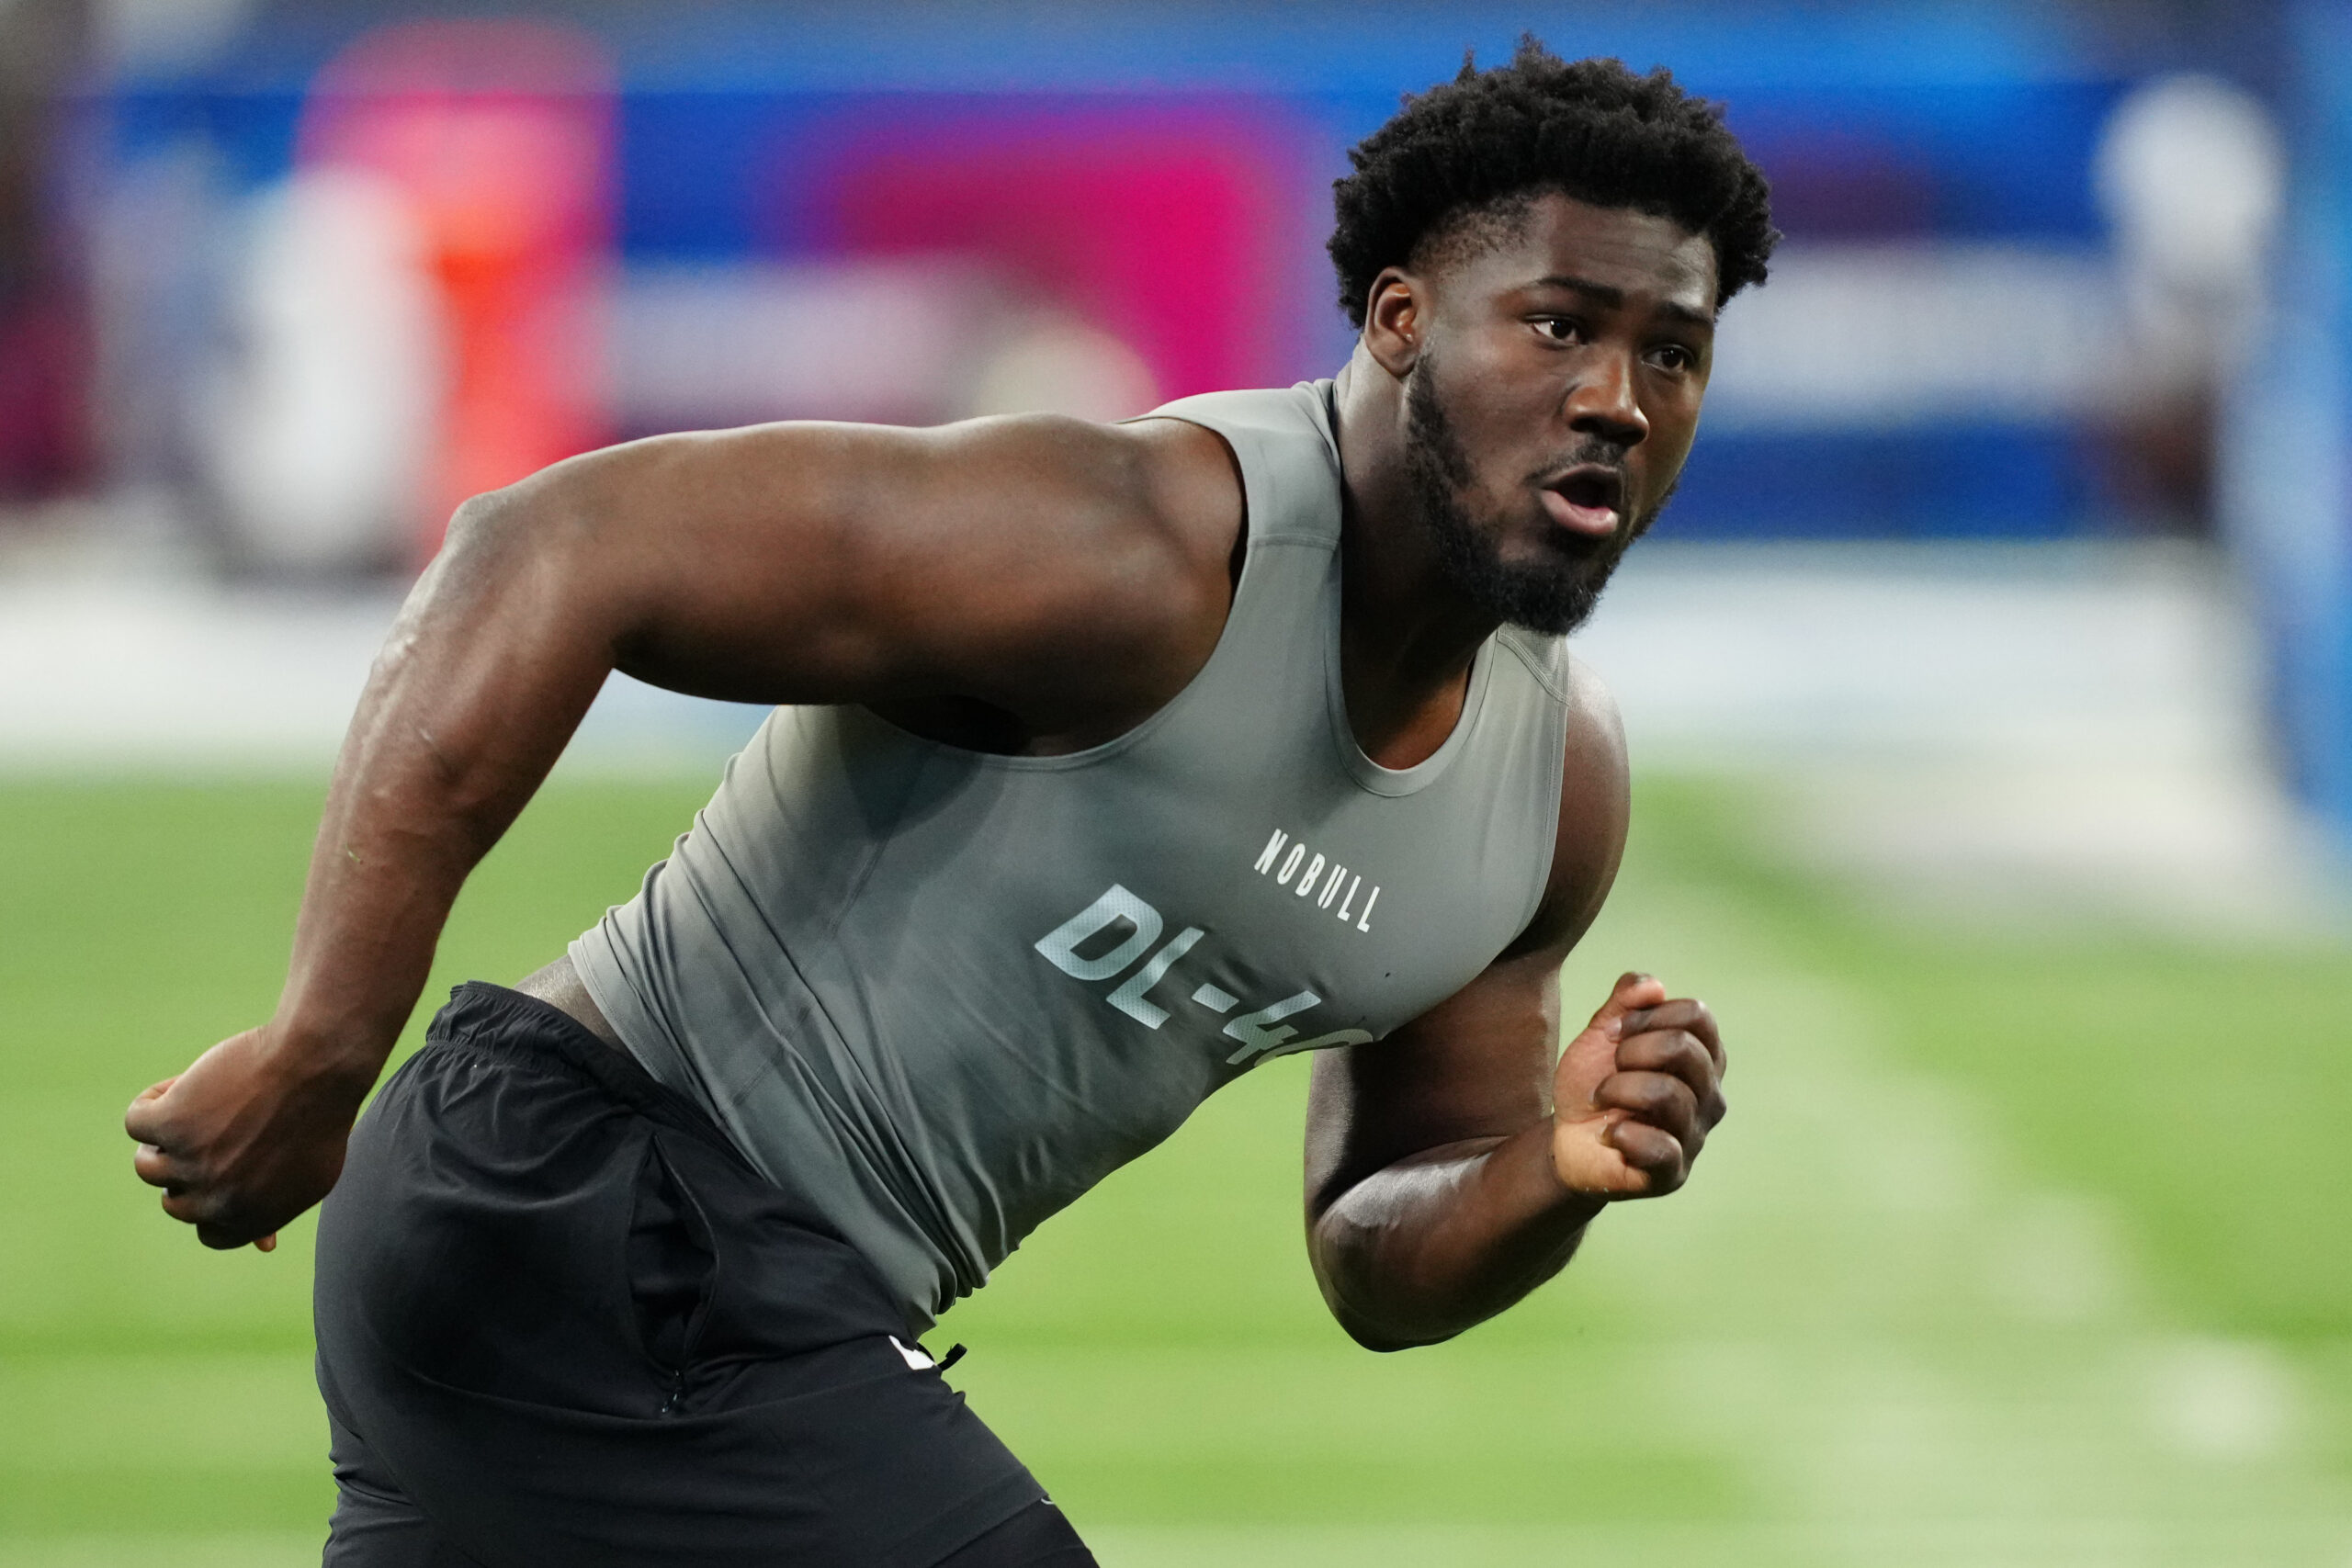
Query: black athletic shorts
pixel 562 1322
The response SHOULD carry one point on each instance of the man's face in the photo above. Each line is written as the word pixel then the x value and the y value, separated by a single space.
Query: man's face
pixel 1553 401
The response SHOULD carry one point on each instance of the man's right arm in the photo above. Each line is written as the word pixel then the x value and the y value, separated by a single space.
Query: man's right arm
pixel 1061 573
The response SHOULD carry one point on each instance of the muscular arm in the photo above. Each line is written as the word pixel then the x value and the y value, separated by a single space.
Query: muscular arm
pixel 1452 1168
pixel 1062 578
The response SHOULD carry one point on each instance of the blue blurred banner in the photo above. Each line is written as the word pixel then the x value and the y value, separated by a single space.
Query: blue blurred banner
pixel 2287 442
pixel 1138 203
pixel 2026 291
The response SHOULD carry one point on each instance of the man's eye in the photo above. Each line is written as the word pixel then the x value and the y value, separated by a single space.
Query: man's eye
pixel 1673 356
pixel 1559 329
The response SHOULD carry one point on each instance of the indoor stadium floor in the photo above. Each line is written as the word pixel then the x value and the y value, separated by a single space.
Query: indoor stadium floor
pixel 2021 1246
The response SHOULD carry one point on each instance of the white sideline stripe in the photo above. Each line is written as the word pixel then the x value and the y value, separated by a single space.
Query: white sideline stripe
pixel 1714 653
pixel 163 676
pixel 2074 724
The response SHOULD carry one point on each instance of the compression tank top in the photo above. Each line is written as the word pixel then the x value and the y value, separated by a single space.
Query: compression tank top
pixel 940 993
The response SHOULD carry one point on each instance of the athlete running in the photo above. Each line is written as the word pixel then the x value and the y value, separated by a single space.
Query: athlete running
pixel 1112 761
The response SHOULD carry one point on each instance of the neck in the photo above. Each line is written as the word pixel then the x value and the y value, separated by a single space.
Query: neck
pixel 1406 638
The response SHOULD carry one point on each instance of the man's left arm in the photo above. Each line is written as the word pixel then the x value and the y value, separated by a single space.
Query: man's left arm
pixel 1452 1168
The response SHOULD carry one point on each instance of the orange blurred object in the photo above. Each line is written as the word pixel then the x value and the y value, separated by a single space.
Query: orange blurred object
pixel 499 136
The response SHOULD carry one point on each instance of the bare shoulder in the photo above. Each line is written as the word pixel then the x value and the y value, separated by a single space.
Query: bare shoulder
pixel 1098 557
pixel 1023 483
pixel 1162 499
pixel 1596 733
pixel 1062 572
pixel 1594 813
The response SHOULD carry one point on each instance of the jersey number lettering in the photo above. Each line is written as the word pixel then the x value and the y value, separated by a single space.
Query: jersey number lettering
pixel 1103 940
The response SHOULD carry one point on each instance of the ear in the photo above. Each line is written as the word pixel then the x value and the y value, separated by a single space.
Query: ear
pixel 1396 321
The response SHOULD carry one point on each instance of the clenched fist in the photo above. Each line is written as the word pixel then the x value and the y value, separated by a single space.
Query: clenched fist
pixel 1636 1093
pixel 244 1140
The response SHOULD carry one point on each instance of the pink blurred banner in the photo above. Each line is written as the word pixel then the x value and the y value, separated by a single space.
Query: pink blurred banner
pixel 1168 226
pixel 499 134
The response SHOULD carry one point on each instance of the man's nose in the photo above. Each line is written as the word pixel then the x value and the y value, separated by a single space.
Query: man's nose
pixel 1603 403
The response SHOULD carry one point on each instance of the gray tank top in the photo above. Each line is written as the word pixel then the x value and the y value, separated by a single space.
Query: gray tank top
pixel 940 993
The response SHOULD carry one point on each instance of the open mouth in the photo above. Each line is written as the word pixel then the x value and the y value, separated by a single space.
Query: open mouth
pixel 1588 498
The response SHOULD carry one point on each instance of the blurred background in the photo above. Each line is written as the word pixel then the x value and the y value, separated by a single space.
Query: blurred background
pixel 1990 686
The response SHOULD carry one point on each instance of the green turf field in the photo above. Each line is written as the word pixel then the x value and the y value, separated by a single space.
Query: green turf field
pixel 2015 1250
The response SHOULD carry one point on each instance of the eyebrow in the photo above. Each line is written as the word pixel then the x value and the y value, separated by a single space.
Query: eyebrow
pixel 1614 298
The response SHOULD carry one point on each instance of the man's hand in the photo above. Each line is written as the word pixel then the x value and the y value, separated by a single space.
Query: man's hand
pixel 244 1140
pixel 1636 1093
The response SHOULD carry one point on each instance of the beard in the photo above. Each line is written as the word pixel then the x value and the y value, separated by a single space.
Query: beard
pixel 1553 596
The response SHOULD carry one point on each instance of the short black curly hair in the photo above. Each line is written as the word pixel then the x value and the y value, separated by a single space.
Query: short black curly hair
pixel 1488 141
